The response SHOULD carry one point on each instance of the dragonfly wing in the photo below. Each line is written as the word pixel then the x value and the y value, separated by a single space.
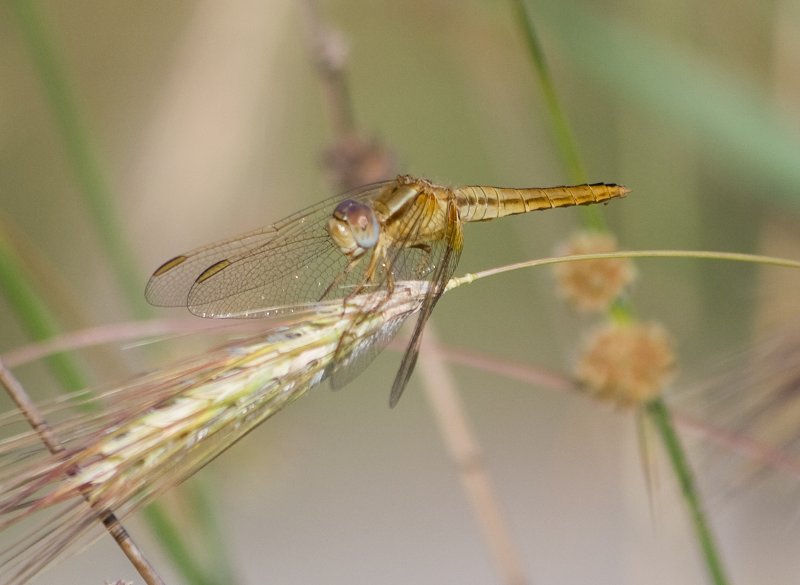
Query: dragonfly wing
pixel 283 274
pixel 260 273
pixel 360 352
pixel 170 284
pixel 450 252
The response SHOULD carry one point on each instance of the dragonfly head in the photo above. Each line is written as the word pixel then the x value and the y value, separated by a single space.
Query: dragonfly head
pixel 354 228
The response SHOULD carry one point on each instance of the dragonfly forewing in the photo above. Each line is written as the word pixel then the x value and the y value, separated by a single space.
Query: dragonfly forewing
pixel 170 284
pixel 261 273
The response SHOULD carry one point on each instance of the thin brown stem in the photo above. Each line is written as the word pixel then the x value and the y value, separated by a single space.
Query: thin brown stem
pixel 329 54
pixel 354 160
pixel 107 517
pixel 464 449
pixel 144 331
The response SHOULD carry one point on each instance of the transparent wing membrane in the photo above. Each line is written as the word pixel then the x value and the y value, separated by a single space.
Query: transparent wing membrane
pixel 288 263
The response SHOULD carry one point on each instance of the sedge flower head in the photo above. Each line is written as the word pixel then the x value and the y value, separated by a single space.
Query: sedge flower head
pixel 626 363
pixel 592 285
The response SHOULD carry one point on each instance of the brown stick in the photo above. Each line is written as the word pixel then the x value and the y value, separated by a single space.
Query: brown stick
pixel 107 517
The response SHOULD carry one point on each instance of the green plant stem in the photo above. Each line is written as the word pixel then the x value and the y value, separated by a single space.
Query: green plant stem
pixel 80 151
pixel 593 219
pixel 35 317
pixel 565 140
pixel 202 500
pixel 171 539
pixel 659 414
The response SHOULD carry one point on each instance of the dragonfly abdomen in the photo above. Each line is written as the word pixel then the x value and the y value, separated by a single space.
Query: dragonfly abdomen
pixel 477 203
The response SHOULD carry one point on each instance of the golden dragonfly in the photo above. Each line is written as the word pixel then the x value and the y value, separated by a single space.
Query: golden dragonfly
pixel 343 274
pixel 363 241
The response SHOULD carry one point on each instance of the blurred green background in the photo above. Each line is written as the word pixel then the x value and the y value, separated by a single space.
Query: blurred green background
pixel 209 119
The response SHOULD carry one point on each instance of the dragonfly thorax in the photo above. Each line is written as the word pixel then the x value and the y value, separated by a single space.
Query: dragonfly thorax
pixel 354 228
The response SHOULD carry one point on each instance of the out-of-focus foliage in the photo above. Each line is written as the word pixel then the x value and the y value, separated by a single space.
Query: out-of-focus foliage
pixel 209 120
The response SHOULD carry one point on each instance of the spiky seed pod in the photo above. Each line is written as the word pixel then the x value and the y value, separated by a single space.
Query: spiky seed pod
pixel 628 364
pixel 594 284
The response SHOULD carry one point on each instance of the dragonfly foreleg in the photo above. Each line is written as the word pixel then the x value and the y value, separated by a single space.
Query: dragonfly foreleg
pixel 339 277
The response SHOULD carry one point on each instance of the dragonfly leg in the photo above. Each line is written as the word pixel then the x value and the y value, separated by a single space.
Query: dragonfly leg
pixel 369 273
pixel 354 261
pixel 348 269
pixel 348 338
pixel 389 276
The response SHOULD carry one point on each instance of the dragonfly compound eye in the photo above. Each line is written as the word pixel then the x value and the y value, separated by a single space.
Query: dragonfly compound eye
pixel 354 227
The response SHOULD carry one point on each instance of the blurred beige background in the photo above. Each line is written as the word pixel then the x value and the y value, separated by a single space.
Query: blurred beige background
pixel 209 120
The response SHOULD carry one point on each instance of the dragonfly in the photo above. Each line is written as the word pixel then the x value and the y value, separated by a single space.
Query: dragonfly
pixel 362 241
pixel 343 275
